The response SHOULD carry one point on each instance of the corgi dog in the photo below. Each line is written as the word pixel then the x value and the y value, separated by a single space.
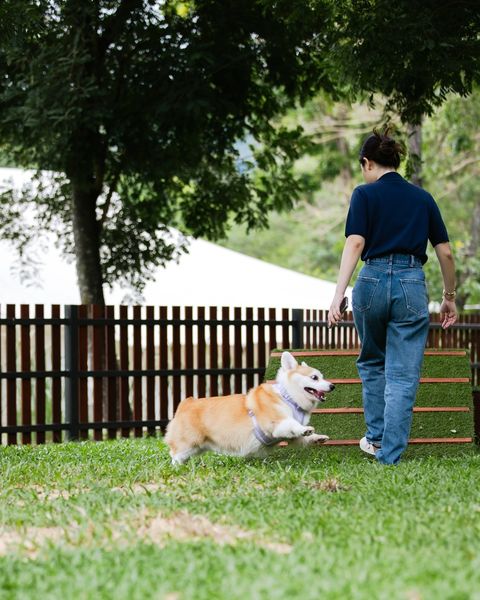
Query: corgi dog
pixel 248 424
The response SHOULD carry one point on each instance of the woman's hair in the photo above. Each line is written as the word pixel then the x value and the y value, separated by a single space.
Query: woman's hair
pixel 382 149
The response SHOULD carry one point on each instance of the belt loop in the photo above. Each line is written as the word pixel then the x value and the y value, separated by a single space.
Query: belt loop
pixel 412 260
pixel 390 259
pixel 367 261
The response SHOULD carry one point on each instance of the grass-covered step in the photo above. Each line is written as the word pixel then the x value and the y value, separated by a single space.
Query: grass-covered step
pixel 449 394
pixel 424 425
pixel 341 364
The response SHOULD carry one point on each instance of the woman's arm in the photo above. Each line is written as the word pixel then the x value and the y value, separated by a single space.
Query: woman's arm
pixel 352 251
pixel 448 309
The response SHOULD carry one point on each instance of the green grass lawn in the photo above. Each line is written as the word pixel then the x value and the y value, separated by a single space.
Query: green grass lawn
pixel 115 520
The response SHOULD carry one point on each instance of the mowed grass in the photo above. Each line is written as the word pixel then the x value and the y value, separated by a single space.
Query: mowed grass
pixel 115 520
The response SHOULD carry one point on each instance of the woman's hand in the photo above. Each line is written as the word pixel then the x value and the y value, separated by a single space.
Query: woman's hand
pixel 448 313
pixel 352 251
pixel 334 314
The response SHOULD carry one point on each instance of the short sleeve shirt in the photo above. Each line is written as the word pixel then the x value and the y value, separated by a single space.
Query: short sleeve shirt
pixel 395 217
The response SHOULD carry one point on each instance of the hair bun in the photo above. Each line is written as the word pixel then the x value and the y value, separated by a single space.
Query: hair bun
pixel 387 146
pixel 382 149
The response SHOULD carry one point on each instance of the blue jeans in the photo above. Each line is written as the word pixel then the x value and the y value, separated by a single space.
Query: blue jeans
pixel 390 310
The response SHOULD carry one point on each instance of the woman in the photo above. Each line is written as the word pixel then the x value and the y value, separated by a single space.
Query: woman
pixel 388 225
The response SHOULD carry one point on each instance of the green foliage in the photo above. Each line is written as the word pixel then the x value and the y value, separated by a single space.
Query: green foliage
pixel 407 51
pixel 452 173
pixel 310 238
pixel 141 106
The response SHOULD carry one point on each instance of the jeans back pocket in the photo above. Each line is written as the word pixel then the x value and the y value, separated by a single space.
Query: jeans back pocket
pixel 416 297
pixel 363 292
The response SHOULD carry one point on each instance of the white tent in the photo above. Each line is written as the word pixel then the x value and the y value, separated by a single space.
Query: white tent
pixel 209 275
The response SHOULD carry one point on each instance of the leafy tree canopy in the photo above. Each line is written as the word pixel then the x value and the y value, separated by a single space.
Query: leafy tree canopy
pixel 138 107
pixel 413 53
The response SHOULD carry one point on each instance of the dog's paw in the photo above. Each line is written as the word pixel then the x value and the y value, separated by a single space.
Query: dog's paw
pixel 309 430
pixel 318 439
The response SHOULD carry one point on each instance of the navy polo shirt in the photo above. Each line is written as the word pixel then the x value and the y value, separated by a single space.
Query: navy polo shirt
pixel 394 216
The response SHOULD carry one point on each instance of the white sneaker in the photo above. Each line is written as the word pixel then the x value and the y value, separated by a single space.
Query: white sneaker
pixel 367 447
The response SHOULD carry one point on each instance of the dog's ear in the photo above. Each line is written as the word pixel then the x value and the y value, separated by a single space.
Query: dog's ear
pixel 304 364
pixel 288 361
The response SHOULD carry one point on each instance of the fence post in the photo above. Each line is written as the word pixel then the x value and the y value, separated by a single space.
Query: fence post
pixel 71 366
pixel 297 328
pixel 476 414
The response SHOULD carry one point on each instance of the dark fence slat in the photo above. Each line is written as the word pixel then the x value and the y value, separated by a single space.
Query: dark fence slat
pixel 262 359
pixel 350 331
pixel 125 412
pixel 475 337
pixel 285 329
pixel 189 351
pixel 476 344
pixel 298 320
pixel 272 334
pixel 213 343
pixel 137 364
pixel 56 337
pixel 308 330
pixel 163 364
pixel 98 364
pixel 150 361
pixel 176 359
pixel 26 384
pixel 433 334
pixel 71 367
pixel 201 352
pixel 11 366
pixel 238 352
pixel 112 393
pixel 83 366
pixel 40 351
pixel 313 329
pixel 250 359
pixel 226 360
pixel 325 331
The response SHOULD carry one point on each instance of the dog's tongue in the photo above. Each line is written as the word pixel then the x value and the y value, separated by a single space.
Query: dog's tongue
pixel 317 393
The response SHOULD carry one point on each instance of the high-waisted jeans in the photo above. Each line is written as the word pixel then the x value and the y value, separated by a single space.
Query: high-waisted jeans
pixel 390 309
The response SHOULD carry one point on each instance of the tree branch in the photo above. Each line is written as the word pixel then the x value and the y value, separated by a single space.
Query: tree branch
pixel 467 162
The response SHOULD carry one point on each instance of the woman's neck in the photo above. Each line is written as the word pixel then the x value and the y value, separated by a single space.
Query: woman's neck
pixel 381 171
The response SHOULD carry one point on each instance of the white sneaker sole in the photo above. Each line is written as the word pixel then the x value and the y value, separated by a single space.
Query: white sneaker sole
pixel 367 447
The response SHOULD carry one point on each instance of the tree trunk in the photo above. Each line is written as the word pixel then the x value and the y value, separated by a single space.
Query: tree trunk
pixel 415 153
pixel 87 243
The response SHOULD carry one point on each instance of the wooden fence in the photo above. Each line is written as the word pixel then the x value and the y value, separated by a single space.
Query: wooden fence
pixel 91 371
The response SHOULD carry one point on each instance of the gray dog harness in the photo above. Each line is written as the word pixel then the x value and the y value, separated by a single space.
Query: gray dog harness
pixel 299 415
